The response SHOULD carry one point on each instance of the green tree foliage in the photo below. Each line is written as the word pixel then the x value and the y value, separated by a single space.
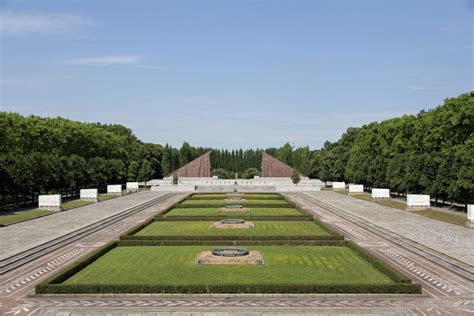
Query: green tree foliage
pixel 431 152
pixel 46 155
pixel 295 177
pixel 249 173
pixel 146 172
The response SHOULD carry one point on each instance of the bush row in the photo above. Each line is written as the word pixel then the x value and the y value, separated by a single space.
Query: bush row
pixel 68 272
pixel 237 237
pixel 249 205
pixel 326 227
pixel 378 263
pixel 243 197
pixel 244 217
pixel 402 288
pixel 129 243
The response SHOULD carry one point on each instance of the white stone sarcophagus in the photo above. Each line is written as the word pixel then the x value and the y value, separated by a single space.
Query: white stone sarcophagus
pixel 132 186
pixel 114 189
pixel 356 188
pixel 418 201
pixel 91 195
pixel 380 193
pixel 50 202
pixel 339 185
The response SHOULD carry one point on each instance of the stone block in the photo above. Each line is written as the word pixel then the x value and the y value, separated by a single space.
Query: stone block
pixel 418 202
pixel 356 188
pixel 380 193
pixel 89 195
pixel 470 216
pixel 132 186
pixel 50 202
pixel 339 185
pixel 114 189
pixel 254 257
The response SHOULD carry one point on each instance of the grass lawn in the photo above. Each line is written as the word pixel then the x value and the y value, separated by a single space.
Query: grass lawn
pixel 74 204
pixel 223 201
pixel 22 216
pixel 254 211
pixel 275 196
pixel 443 216
pixel 204 228
pixel 392 203
pixel 364 197
pixel 176 265
pixel 105 197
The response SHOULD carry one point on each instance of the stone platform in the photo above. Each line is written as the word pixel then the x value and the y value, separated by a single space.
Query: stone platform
pixel 245 225
pixel 206 257
pixel 234 209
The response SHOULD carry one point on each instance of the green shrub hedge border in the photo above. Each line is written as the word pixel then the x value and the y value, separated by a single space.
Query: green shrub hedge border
pixel 53 285
pixel 198 196
pixel 249 205
pixel 398 288
pixel 168 218
pixel 142 242
pixel 236 237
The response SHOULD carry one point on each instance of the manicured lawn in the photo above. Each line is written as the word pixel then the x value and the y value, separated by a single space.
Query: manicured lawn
pixel 74 204
pixel 364 197
pixel 204 228
pixel 254 211
pixel 224 201
pixel 105 197
pixel 246 195
pixel 443 216
pixel 392 203
pixel 22 216
pixel 176 265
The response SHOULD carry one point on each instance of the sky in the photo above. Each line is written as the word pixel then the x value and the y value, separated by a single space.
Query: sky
pixel 234 74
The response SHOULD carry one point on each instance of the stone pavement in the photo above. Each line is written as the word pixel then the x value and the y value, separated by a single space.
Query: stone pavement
pixel 20 237
pixel 454 240
pixel 444 292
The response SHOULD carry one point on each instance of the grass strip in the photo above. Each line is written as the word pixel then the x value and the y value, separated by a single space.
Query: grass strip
pixel 22 216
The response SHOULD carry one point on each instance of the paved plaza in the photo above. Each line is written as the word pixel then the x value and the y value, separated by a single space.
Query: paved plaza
pixel 454 240
pixel 444 292
pixel 26 235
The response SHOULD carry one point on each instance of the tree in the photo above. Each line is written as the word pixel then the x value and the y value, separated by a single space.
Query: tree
pixel 295 178
pixel 175 179
pixel 133 169
pixel 146 171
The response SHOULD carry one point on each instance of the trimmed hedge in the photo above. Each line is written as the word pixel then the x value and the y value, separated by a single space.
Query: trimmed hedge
pixel 244 217
pixel 77 266
pixel 130 243
pixel 403 288
pixel 249 205
pixel 243 197
pixel 237 237
pixel 378 263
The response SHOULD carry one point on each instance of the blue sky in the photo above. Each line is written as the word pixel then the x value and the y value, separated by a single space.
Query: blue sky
pixel 233 74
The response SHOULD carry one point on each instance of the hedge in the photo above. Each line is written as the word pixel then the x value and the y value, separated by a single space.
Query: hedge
pixel 132 243
pixel 243 197
pixel 237 237
pixel 403 288
pixel 245 217
pixel 378 263
pixel 77 266
pixel 249 205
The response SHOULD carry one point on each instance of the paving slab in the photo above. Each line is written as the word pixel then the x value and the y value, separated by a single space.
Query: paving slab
pixel 23 236
pixel 453 240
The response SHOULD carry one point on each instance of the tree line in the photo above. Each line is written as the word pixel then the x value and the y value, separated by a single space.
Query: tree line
pixel 431 152
pixel 44 155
